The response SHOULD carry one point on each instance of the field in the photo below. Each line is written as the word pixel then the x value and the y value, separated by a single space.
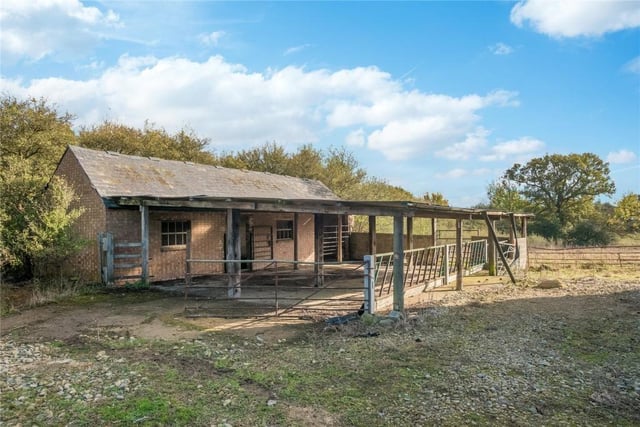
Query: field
pixel 495 354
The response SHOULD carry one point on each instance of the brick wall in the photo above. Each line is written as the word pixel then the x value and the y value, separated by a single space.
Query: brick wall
pixel 283 249
pixel 86 264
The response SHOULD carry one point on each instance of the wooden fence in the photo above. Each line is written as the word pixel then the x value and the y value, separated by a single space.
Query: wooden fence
pixel 582 257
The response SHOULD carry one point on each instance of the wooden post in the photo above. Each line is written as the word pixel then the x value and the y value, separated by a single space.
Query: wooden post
pixel 144 240
pixel 372 236
pixel 233 253
pixel 108 248
pixel 187 266
pixel 409 232
pixel 318 268
pixel 398 263
pixel 434 230
pixel 492 265
pixel 496 242
pixel 459 272
pixel 296 249
pixel 523 226
pixel 369 284
pixel 339 239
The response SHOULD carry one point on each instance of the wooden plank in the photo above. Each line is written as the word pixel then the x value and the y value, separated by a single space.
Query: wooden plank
pixel 459 272
pixel 434 231
pixel 109 257
pixel 372 236
pixel 122 266
pixel 233 253
pixel 496 242
pixel 339 239
pixel 318 236
pixel 398 264
pixel 127 256
pixel 128 245
pixel 296 249
pixel 144 240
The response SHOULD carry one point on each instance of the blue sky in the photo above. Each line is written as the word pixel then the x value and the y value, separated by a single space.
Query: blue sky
pixel 432 96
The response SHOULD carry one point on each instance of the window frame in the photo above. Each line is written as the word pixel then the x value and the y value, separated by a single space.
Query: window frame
pixel 284 230
pixel 174 234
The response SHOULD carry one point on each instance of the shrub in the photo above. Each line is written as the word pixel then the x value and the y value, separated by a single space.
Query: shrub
pixel 589 233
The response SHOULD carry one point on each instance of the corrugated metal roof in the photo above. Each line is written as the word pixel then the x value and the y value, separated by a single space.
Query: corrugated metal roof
pixel 114 174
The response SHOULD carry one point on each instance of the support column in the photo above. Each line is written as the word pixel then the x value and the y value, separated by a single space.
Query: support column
pixel 434 230
pixel 296 249
pixel 398 264
pixel 372 236
pixel 409 232
pixel 318 268
pixel 233 252
pixel 144 240
pixel 491 251
pixel 459 272
pixel 339 239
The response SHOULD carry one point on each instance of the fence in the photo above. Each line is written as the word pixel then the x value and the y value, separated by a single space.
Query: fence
pixel 425 268
pixel 619 256
pixel 119 260
pixel 278 290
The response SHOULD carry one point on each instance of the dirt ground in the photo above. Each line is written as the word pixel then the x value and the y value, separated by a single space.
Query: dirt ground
pixel 545 352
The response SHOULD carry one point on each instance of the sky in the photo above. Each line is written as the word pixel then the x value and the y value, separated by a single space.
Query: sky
pixel 430 96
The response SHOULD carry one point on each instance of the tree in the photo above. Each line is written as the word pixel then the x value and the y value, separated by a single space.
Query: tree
pixel 435 199
pixel 503 195
pixel 626 214
pixel 342 173
pixel 151 141
pixel 562 185
pixel 34 136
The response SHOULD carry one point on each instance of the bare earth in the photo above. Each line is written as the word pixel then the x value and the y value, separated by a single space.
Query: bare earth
pixel 494 354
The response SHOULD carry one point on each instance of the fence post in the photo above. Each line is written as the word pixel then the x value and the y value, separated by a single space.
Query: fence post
pixel 446 264
pixel 459 256
pixel 109 254
pixel 369 284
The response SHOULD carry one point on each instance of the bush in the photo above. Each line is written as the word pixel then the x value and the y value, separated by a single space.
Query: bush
pixel 589 233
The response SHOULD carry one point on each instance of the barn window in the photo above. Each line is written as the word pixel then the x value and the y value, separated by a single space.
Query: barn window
pixel 284 230
pixel 174 233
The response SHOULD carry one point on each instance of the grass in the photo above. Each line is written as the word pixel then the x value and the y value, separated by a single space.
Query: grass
pixel 413 373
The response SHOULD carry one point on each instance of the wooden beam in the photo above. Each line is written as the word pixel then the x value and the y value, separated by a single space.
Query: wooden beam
pixel 318 236
pixel 372 236
pixel 144 241
pixel 459 272
pixel 434 230
pixel 409 233
pixel 233 253
pixel 398 264
pixel 515 234
pixel 296 248
pixel 494 237
pixel 339 239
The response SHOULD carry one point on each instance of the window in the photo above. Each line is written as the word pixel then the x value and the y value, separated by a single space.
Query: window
pixel 284 230
pixel 174 233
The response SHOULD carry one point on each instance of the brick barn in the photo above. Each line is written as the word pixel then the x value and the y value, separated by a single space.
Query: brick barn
pixel 145 217
pixel 149 207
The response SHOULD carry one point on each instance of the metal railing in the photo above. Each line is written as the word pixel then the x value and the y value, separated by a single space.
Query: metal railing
pixel 275 290
pixel 432 266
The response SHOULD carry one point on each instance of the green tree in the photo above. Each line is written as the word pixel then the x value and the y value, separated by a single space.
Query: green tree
pixel 435 199
pixel 503 195
pixel 626 214
pixel 342 173
pixel 562 185
pixel 34 137
pixel 150 141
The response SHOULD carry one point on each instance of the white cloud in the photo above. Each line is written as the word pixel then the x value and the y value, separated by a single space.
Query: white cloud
pixel 36 28
pixel 516 149
pixel 296 49
pixel 236 107
pixel 472 144
pixel 633 66
pixel 211 39
pixel 621 156
pixel 501 49
pixel 356 138
pixel 576 18
pixel 453 174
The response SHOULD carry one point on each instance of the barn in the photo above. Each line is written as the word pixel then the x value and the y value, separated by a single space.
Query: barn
pixel 146 217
